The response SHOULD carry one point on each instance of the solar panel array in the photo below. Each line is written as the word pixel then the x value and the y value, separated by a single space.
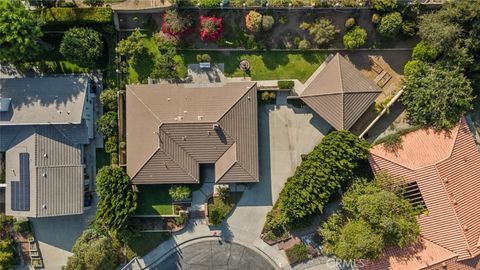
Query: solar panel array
pixel 21 189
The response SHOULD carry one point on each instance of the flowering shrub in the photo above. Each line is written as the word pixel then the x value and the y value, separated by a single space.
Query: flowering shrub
pixel 253 21
pixel 174 23
pixel 210 28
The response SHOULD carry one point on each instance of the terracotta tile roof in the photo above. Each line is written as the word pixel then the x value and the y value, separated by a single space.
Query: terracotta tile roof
pixel 339 93
pixel 446 168
pixel 422 254
pixel 172 129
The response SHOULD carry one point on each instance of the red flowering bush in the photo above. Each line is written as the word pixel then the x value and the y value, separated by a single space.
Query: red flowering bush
pixel 210 28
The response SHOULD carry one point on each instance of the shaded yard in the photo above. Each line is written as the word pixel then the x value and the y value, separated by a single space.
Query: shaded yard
pixel 154 200
pixel 145 242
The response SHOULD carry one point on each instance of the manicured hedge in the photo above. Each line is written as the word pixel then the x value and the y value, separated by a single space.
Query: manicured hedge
pixel 286 84
pixel 61 16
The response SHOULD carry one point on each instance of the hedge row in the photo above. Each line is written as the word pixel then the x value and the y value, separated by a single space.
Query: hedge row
pixel 61 16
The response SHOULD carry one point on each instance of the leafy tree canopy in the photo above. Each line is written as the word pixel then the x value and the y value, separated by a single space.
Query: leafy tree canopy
pixel 384 5
pixel 323 31
pixel 19 32
pixel 175 23
pixel 7 255
pixel 117 199
pixel 133 45
pixel 355 38
pixel 165 66
pixel 424 52
pixel 82 46
pixel 390 24
pixel 92 251
pixel 321 173
pixel 371 219
pixel 437 97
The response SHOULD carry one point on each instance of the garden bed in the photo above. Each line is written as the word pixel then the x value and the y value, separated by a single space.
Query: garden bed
pixel 217 210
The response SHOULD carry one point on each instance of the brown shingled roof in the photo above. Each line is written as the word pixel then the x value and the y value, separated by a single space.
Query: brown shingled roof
pixel 446 168
pixel 172 129
pixel 339 93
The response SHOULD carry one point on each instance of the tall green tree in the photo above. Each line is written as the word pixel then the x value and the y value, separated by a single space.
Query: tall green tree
pixel 19 32
pixel 323 31
pixel 93 251
pixel 82 46
pixel 117 200
pixel 165 66
pixel 132 46
pixel 109 99
pixel 322 172
pixel 390 24
pixel 371 218
pixel 7 255
pixel 436 96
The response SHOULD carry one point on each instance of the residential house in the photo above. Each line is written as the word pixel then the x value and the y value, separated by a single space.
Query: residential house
pixel 45 122
pixel 172 130
pixel 441 171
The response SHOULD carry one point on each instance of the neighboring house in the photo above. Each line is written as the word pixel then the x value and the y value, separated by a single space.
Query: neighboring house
pixel 45 122
pixel 339 93
pixel 442 173
pixel 172 130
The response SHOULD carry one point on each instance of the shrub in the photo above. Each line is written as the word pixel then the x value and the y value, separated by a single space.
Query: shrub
pixel 107 124
pixel 203 57
pixel 111 145
pixel 174 24
pixel 181 219
pixel 384 5
pixel 215 216
pixel 267 96
pixel 297 253
pixel 210 28
pixel 304 44
pixel 108 98
pixel 267 22
pixel 355 38
pixel 323 31
pixel 82 46
pixel 210 3
pixel 22 226
pixel 179 192
pixel 93 3
pixel 350 22
pixel 253 21
pixel 114 158
pixel 286 84
pixel 223 193
pixel 424 52
pixel 166 66
pixel 376 18
pixel 409 29
pixel 76 16
pixel 7 254
pixel 390 24
pixel 165 41
pixel 412 67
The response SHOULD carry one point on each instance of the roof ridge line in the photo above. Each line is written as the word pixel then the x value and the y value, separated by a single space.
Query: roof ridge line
pixel 236 102
pixel 145 163
pixel 453 208
pixel 148 108
pixel 186 153
pixel 342 89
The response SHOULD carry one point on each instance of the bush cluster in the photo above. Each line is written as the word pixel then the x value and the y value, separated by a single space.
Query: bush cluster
pixel 210 28
pixel 286 84
pixel 75 16
pixel 355 38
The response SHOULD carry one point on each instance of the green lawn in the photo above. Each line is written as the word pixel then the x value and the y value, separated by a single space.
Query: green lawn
pixel 264 65
pixel 143 243
pixel 154 200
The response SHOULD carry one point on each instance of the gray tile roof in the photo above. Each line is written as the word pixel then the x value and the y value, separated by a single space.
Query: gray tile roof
pixel 56 171
pixel 172 129
pixel 43 100
pixel 339 93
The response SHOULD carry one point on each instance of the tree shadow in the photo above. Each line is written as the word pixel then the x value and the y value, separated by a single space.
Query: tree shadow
pixel 272 60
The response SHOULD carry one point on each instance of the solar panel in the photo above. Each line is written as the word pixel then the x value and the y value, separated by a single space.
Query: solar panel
pixel 21 189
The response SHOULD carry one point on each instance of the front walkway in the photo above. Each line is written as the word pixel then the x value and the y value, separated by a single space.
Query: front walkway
pixel 285 133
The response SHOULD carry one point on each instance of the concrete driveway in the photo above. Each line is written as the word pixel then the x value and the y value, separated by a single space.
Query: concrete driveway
pixel 57 235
